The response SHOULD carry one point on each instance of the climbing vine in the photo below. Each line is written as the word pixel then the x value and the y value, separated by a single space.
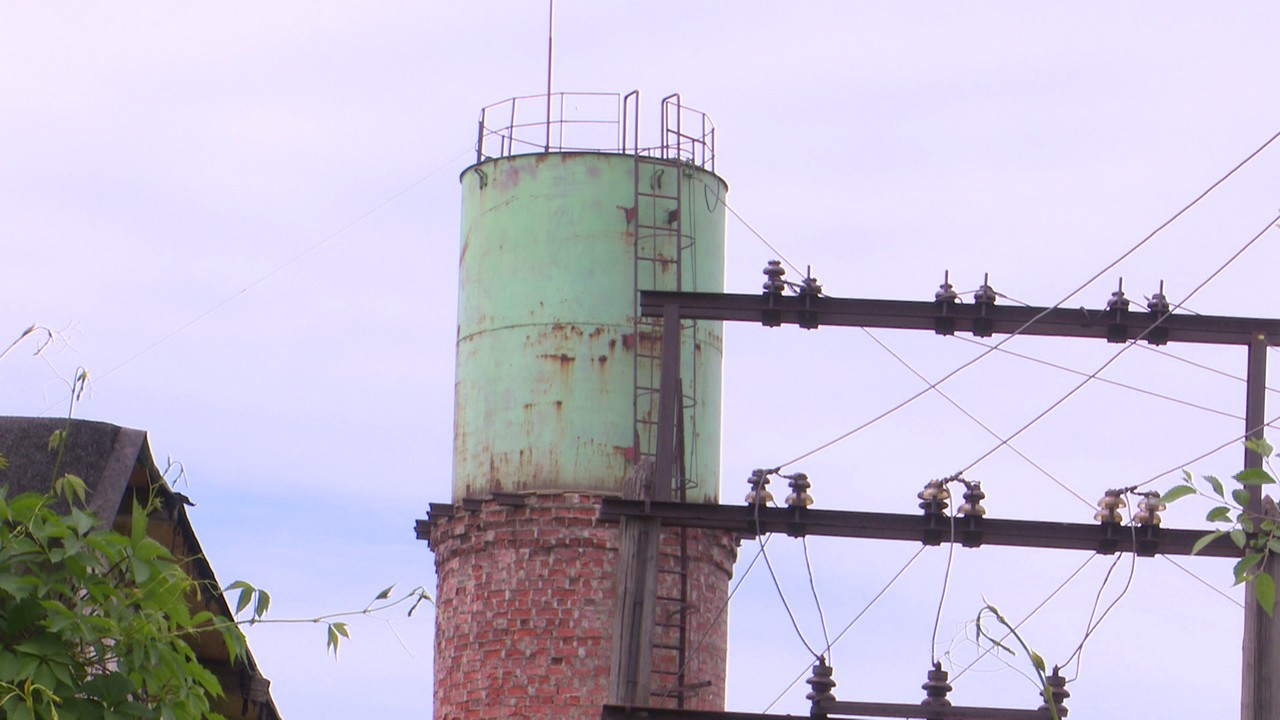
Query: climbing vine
pixel 1256 534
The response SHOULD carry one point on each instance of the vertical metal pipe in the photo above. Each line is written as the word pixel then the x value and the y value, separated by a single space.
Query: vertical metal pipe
pixel 1259 695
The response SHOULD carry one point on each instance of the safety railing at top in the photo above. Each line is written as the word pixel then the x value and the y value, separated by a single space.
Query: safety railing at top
pixel 593 122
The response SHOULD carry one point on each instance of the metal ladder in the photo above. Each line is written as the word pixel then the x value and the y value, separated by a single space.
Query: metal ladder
pixel 663 260
pixel 658 217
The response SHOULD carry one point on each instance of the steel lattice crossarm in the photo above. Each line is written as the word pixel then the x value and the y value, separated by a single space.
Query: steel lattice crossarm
pixel 927 528
pixel 1115 324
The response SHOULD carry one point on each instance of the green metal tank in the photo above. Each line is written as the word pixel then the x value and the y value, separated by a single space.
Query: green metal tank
pixel 556 380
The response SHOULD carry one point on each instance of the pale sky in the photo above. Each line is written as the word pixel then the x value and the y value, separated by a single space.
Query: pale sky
pixel 244 221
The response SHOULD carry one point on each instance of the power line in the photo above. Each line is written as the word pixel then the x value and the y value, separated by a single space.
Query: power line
pixel 1234 440
pixel 1029 615
pixel 724 606
pixel 1091 626
pixel 974 418
pixel 942 599
pixel 1204 582
pixel 1141 243
pixel 263 278
pixel 1200 366
pixel 1108 381
pixel 813 587
pixel 762 239
pixel 1116 356
pixel 778 586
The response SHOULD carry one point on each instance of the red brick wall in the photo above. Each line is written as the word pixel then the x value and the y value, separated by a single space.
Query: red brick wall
pixel 525 607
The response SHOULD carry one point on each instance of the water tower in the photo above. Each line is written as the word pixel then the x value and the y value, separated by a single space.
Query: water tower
pixel 566 215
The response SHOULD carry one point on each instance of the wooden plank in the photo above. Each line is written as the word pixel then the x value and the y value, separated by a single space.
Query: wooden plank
pixel 630 661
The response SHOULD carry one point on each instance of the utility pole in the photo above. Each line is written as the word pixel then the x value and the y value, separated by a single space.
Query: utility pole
pixel 1259 694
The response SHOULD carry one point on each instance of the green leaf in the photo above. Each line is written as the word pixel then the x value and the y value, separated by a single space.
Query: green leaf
pixel 337 631
pixel 1221 513
pixel 1254 476
pixel 246 597
pixel 56 440
pixel 72 488
pixel 138 524
pixel 1037 661
pixel 1177 491
pixel 1246 522
pixel 1216 484
pixel 1246 563
pixel 1237 537
pixel 1260 446
pixel 4 462
pixel 264 602
pixel 1241 496
pixel 1264 589
pixel 1186 476
pixel 424 596
pixel 386 593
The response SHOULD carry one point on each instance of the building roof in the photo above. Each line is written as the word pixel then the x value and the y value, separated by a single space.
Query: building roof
pixel 116 465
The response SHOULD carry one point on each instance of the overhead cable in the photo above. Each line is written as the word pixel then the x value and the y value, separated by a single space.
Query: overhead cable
pixel 1141 243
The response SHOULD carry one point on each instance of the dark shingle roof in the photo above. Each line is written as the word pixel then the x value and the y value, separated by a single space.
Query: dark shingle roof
pixel 101 454
pixel 115 463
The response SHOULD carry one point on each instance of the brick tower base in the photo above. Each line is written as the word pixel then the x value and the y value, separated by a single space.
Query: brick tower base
pixel 525 610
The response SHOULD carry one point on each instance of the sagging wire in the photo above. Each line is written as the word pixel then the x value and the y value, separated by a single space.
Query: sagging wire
pixel 764 496
pixel 1129 345
pixel 933 500
pixel 800 498
pixel 1141 243
pixel 759 496
pixel 1108 381
pixel 1110 506
pixel 813 588
pixel 974 418
pixel 807 668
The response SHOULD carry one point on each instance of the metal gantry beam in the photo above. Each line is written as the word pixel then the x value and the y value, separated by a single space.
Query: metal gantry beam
pixel 1115 323
pixel 981 319
pixel 834 710
pixel 929 529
